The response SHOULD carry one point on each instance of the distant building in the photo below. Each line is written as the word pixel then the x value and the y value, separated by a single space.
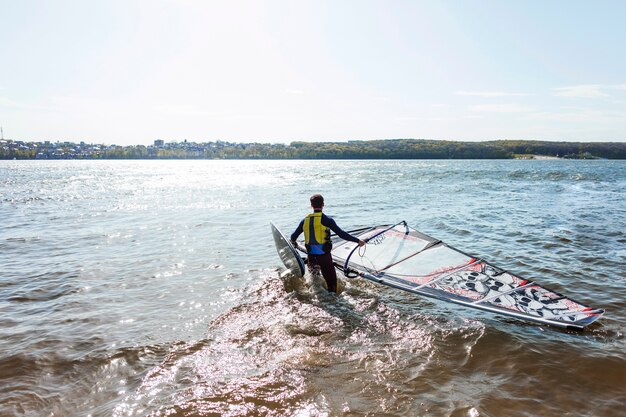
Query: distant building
pixel 158 143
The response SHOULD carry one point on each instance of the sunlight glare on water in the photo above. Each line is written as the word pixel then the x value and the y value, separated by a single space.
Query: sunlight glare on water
pixel 152 288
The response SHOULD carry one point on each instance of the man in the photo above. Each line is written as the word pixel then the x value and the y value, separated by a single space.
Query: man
pixel 316 227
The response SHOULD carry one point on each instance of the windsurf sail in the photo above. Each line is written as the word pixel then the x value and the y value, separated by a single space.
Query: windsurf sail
pixel 402 257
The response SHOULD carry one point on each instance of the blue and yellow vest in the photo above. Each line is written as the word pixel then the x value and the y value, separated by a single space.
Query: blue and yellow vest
pixel 316 235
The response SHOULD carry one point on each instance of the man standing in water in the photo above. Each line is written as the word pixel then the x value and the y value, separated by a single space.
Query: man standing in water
pixel 316 227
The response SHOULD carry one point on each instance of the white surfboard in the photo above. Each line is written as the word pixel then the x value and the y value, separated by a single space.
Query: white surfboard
pixel 287 253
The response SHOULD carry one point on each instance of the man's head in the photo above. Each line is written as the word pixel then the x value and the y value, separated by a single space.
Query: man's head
pixel 317 201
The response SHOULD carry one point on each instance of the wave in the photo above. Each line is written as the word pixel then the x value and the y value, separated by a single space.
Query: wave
pixel 288 343
pixel 288 347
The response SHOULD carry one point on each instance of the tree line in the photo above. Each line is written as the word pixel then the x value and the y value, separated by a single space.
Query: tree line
pixel 374 149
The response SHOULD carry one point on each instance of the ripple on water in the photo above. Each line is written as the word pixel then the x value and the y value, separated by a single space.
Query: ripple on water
pixel 288 342
pixel 141 288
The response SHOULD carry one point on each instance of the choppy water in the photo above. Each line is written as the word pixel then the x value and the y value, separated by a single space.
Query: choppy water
pixel 152 288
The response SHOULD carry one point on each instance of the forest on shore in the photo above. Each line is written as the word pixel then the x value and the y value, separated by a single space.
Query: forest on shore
pixel 372 149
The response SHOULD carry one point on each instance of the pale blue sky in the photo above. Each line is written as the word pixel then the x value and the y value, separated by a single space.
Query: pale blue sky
pixel 129 72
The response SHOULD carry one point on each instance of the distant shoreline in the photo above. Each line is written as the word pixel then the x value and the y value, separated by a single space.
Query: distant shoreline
pixel 373 149
pixel 538 157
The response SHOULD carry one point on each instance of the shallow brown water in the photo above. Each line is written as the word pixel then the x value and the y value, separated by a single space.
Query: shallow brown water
pixel 153 289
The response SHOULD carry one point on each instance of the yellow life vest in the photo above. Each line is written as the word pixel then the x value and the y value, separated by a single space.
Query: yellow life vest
pixel 316 235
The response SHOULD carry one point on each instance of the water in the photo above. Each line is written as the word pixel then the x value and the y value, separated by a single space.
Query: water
pixel 152 288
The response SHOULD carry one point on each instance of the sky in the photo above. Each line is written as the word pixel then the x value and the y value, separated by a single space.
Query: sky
pixel 128 72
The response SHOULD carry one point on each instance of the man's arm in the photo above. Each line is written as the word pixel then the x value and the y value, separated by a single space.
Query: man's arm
pixel 330 223
pixel 298 232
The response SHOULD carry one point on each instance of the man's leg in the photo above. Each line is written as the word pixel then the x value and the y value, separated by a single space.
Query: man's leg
pixel 328 271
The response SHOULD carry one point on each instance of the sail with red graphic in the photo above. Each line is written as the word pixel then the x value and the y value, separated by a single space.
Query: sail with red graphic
pixel 401 257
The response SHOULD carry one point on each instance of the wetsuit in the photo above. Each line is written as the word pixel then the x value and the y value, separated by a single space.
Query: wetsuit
pixel 318 244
